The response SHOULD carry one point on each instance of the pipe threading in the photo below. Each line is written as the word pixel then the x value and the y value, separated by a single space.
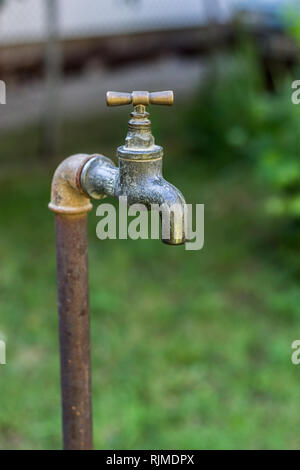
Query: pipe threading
pixel 139 119
pixel 143 126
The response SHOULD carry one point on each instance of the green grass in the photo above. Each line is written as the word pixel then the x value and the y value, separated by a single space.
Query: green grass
pixel 189 349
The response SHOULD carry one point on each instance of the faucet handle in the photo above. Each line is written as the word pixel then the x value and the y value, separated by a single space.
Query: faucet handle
pixel 115 98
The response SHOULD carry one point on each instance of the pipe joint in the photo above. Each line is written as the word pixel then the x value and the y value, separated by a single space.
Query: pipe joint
pixel 67 196
pixel 99 177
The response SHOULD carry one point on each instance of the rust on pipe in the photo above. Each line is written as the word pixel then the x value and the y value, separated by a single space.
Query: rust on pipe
pixel 74 330
pixel 71 206
pixel 66 194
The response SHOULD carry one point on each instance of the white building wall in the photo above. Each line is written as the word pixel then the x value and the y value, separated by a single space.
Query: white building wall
pixel 24 20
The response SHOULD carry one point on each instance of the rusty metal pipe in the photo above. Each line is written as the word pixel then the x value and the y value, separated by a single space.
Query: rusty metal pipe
pixel 70 207
pixel 74 330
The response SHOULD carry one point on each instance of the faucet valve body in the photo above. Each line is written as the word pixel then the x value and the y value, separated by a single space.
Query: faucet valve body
pixel 139 175
pixel 139 142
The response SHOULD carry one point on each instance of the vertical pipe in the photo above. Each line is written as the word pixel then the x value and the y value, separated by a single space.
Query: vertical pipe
pixel 74 330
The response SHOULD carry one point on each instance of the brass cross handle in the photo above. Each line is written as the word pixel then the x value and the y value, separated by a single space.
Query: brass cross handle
pixel 115 98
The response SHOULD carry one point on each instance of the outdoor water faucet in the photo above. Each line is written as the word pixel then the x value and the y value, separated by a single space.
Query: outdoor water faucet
pixel 139 175
pixel 77 179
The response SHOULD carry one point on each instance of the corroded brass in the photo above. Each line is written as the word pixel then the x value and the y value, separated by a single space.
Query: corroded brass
pixel 139 175
pixel 66 195
pixel 116 98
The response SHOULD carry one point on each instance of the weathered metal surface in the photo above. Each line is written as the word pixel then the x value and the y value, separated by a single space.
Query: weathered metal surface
pixel 74 330
pixel 139 175
pixel 139 178
pixel 66 194
pixel 116 98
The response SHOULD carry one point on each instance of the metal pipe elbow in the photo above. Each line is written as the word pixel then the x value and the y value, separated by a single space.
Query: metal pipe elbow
pixel 67 196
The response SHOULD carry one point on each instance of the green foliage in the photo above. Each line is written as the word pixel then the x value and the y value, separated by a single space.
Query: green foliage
pixel 291 19
pixel 236 118
pixel 226 115
pixel 277 155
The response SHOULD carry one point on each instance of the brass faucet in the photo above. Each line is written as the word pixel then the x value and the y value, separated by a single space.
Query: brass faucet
pixel 139 175
pixel 76 180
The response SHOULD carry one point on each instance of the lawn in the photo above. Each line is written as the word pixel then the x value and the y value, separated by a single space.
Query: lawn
pixel 189 349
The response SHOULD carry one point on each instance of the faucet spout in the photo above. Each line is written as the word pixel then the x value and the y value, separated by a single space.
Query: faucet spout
pixel 172 211
pixel 159 195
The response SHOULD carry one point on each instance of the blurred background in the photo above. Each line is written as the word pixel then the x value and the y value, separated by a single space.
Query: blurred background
pixel 189 349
